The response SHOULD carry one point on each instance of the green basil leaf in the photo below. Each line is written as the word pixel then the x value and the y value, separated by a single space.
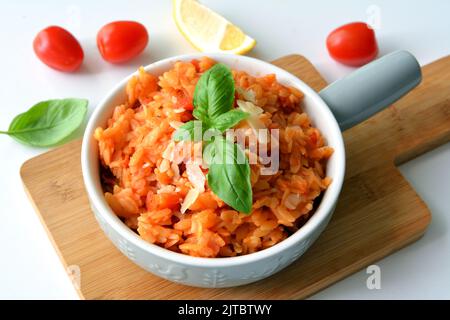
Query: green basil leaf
pixel 48 123
pixel 208 153
pixel 192 130
pixel 229 119
pixel 200 114
pixel 229 174
pixel 214 93
pixel 200 100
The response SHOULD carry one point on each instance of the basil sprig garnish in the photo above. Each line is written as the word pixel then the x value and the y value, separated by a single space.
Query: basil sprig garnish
pixel 229 170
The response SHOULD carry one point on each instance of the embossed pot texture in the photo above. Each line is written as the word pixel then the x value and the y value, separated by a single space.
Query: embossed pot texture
pixel 215 272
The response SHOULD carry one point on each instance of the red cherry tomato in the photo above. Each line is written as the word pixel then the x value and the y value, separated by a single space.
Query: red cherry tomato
pixel 121 41
pixel 58 48
pixel 353 44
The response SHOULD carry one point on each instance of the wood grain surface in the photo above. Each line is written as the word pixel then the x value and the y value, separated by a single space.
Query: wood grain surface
pixel 378 211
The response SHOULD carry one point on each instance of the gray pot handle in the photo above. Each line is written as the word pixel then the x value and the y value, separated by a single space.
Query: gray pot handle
pixel 372 88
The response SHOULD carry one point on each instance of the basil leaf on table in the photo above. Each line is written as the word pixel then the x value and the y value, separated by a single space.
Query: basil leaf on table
pixel 214 93
pixel 49 122
pixel 229 174
pixel 229 119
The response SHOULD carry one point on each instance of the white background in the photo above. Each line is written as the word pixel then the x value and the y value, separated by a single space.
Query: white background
pixel 29 267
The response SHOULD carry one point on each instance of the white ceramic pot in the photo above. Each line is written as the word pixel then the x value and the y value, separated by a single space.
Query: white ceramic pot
pixel 234 271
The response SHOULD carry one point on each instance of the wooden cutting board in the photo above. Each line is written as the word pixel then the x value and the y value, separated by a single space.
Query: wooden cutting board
pixel 378 211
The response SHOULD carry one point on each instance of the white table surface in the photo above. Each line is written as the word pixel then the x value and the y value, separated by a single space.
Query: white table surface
pixel 29 266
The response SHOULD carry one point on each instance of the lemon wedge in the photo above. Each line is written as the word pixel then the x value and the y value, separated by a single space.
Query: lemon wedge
pixel 208 31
